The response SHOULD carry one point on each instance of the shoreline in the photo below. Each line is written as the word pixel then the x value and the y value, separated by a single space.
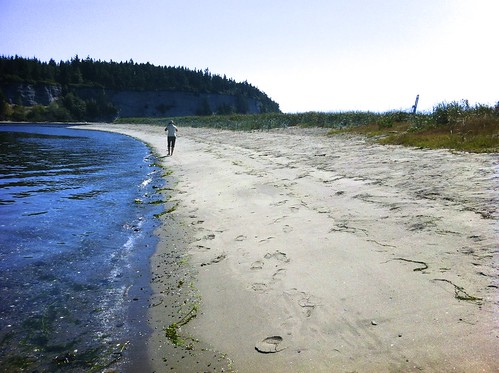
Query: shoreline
pixel 333 254
pixel 172 276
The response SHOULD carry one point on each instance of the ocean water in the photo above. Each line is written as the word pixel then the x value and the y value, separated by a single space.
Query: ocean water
pixel 76 234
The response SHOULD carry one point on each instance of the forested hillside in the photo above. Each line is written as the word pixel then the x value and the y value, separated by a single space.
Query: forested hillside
pixel 85 89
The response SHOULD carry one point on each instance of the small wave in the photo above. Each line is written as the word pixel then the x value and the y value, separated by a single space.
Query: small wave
pixel 35 213
pixel 146 182
pixel 86 195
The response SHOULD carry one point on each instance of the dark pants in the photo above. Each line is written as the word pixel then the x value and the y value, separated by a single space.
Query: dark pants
pixel 171 144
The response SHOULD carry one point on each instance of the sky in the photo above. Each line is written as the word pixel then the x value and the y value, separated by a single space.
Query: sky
pixel 307 55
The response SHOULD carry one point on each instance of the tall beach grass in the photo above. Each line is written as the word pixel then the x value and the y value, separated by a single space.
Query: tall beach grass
pixel 454 125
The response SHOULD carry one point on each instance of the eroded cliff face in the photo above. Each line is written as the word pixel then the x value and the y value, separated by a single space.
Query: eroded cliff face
pixel 31 94
pixel 170 103
pixel 136 103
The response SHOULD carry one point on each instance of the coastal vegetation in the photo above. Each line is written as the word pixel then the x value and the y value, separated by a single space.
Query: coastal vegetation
pixel 455 125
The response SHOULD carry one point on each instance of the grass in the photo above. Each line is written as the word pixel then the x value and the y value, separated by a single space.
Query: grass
pixel 443 139
pixel 248 122
pixel 464 132
pixel 454 125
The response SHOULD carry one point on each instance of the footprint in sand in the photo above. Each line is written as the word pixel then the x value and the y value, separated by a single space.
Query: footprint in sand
pixel 257 265
pixel 270 345
pixel 287 229
pixel 218 259
pixel 279 219
pixel 323 210
pixel 266 239
pixel 259 287
pixel 302 175
pixel 307 305
pixel 306 301
pixel 279 203
pixel 279 274
pixel 240 238
pixel 279 255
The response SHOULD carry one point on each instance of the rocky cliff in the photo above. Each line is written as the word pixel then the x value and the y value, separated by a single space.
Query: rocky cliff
pixel 135 103
pixel 170 103
pixel 31 94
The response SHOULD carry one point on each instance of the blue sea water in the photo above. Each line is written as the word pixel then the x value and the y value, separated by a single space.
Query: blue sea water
pixel 76 234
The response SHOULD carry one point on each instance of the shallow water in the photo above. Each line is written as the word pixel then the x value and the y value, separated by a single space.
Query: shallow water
pixel 76 234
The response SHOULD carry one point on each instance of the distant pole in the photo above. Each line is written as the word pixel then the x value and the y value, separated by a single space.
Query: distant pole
pixel 415 106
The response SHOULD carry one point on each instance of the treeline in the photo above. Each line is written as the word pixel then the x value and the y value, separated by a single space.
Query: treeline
pixel 124 76
pixel 89 73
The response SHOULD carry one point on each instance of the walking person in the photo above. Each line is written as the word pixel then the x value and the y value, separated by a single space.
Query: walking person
pixel 172 136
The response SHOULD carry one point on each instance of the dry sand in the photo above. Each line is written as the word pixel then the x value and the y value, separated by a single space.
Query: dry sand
pixel 333 253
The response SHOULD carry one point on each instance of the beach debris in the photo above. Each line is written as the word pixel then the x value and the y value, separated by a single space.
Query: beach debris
pixel 270 345
pixel 459 292
pixel 374 322
pixel 424 265
pixel 202 248
pixel 173 330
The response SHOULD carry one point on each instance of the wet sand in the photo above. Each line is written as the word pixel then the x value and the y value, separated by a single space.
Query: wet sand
pixel 329 254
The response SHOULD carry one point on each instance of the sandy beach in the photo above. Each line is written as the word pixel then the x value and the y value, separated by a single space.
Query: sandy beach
pixel 328 254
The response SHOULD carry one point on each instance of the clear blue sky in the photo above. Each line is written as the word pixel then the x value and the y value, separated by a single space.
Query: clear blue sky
pixel 307 55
